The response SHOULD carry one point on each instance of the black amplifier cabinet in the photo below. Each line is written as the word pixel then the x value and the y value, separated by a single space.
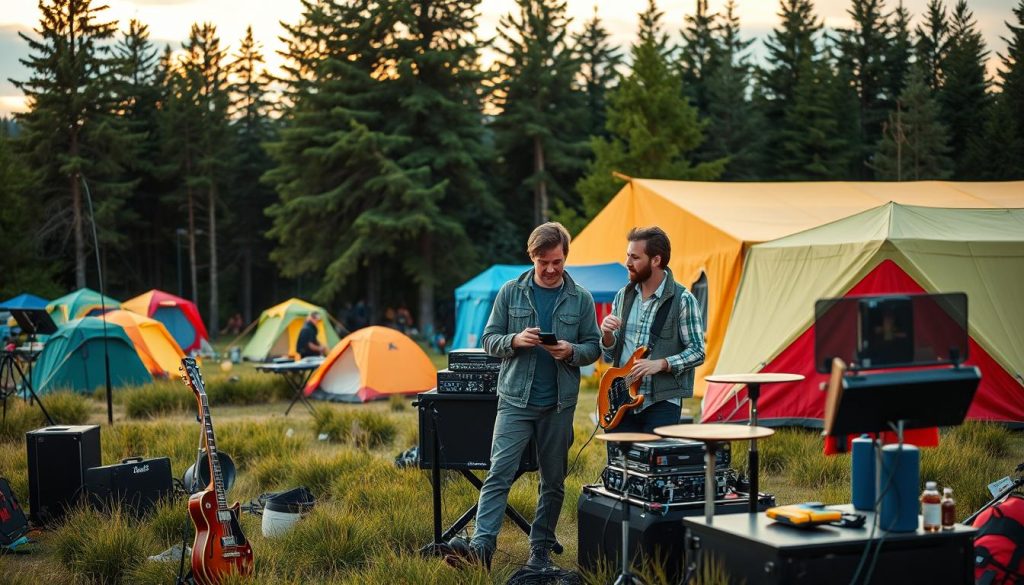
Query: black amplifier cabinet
pixel 668 488
pixel 472 360
pixel 653 536
pixel 136 484
pixel 465 382
pixel 759 550
pixel 667 455
pixel 465 426
pixel 57 459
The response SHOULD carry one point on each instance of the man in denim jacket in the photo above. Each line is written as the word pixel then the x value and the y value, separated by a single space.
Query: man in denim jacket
pixel 537 390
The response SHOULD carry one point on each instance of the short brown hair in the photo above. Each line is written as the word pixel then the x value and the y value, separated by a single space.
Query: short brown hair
pixel 655 242
pixel 547 236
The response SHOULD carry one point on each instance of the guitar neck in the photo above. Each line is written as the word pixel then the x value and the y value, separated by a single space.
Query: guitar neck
pixel 211 453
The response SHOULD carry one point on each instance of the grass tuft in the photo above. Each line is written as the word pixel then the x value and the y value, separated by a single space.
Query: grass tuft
pixel 101 549
pixel 158 399
pixel 328 540
pixel 363 428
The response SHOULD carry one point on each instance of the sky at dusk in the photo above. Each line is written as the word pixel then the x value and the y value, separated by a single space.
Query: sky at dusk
pixel 169 22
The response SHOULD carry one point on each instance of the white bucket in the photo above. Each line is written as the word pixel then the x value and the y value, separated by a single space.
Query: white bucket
pixel 278 523
pixel 283 510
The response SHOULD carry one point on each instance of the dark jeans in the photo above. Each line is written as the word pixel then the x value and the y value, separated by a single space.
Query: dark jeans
pixel 659 414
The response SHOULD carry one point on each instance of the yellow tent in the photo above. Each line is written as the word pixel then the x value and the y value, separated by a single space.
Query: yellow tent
pixel 712 225
pixel 154 344
pixel 279 327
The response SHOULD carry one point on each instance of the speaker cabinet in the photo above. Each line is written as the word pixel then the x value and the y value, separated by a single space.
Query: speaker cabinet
pixel 135 484
pixel 465 426
pixel 57 460
pixel 653 538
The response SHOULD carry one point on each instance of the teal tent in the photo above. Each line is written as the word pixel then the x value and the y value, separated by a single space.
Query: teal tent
pixel 84 302
pixel 73 358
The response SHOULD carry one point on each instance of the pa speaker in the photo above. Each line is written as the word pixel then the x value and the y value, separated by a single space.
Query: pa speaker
pixel 465 426
pixel 57 460
pixel 135 483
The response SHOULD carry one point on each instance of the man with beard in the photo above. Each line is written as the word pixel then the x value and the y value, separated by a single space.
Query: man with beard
pixel 653 299
pixel 538 384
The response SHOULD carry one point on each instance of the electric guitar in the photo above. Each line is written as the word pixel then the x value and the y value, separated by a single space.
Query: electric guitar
pixel 618 392
pixel 220 548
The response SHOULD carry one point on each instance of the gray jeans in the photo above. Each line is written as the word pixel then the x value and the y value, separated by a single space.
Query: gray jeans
pixel 513 429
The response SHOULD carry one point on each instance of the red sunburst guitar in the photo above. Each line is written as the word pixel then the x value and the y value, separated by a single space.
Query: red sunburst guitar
pixel 220 548
pixel 618 392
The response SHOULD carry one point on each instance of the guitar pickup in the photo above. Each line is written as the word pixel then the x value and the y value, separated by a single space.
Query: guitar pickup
pixel 227 541
pixel 224 516
pixel 231 555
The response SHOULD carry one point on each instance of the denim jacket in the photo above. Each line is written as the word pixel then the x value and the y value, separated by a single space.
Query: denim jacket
pixel 574 320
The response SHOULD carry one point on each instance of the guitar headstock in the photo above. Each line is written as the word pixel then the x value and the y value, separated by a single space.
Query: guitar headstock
pixel 191 375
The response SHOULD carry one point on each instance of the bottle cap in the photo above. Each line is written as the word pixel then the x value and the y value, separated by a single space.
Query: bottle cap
pixel 947 490
pixel 931 485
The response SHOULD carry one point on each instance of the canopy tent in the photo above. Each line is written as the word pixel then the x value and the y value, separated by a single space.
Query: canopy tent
pixel 73 358
pixel 474 298
pixel 278 328
pixel 371 363
pixel 180 317
pixel 154 344
pixel 712 225
pixel 886 250
pixel 24 301
pixel 84 302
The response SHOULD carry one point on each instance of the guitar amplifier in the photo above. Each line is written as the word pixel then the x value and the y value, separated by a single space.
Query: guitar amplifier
pixel 668 488
pixel 57 460
pixel 466 382
pixel 472 360
pixel 668 456
pixel 136 484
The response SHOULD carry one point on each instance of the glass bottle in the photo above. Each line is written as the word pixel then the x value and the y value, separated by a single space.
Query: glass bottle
pixel 931 507
pixel 948 509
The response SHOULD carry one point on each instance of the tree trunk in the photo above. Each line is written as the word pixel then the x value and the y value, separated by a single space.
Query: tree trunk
pixel 540 190
pixel 247 284
pixel 194 295
pixel 373 293
pixel 77 217
pixel 214 315
pixel 426 295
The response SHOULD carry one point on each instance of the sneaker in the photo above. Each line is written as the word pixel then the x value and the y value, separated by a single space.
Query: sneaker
pixel 540 558
pixel 465 553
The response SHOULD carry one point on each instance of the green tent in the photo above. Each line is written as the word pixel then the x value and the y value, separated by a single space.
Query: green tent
pixel 73 358
pixel 278 329
pixel 84 302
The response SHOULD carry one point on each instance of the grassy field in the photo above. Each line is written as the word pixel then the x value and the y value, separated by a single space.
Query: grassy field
pixel 371 517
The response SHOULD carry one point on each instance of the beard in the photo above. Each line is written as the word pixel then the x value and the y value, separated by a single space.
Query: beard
pixel 638 276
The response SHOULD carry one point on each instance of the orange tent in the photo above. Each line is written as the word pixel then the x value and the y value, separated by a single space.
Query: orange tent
pixel 154 344
pixel 372 363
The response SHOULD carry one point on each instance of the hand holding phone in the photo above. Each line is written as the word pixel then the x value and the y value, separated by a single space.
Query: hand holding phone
pixel 548 338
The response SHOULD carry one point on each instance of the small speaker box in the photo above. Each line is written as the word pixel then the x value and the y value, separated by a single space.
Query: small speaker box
pixel 57 459
pixel 136 484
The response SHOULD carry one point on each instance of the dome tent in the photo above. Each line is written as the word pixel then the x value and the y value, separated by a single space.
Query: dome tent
pixel 73 358
pixel 84 302
pixel 278 329
pixel 180 317
pixel 154 344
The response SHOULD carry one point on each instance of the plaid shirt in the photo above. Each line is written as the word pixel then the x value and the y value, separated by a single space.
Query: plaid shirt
pixel 638 332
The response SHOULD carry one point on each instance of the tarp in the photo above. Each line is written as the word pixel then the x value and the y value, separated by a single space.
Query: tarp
pixel 84 302
pixel 180 317
pixel 474 298
pixel 371 363
pixel 73 358
pixel 278 328
pixel 886 250
pixel 24 301
pixel 154 344
pixel 712 225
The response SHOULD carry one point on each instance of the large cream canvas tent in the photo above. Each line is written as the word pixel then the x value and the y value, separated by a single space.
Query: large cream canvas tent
pixel 887 250
pixel 713 225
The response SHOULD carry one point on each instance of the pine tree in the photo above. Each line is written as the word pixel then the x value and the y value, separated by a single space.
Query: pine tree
pixel 251 127
pixel 899 53
pixel 599 61
pixel 963 93
pixel 653 129
pixel 696 54
pixel 540 132
pixel 801 101
pixel 863 51
pixel 734 125
pixel 70 133
pixel 915 143
pixel 933 43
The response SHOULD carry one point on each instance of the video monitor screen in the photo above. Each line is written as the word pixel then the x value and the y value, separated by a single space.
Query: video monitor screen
pixel 890 331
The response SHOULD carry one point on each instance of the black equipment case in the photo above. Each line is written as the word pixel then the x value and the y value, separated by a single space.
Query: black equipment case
pixel 135 483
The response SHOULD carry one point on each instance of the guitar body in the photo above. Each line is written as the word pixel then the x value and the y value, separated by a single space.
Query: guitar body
pixel 212 559
pixel 618 394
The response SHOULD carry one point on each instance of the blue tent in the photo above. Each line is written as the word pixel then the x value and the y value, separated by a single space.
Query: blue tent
pixel 24 301
pixel 73 358
pixel 474 298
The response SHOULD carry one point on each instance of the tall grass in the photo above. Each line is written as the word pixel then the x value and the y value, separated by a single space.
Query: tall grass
pixel 363 428
pixel 65 408
pixel 101 548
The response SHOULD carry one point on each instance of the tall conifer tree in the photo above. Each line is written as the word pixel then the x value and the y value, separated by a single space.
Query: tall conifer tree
pixel 696 54
pixel 915 142
pixel 653 129
pixel 863 51
pixel 963 93
pixel 932 43
pixel 599 63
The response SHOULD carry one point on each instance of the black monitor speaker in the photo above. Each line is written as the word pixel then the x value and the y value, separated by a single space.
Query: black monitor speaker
pixel 58 458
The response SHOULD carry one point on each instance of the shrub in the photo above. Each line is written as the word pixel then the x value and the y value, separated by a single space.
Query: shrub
pixel 364 428
pixel 67 408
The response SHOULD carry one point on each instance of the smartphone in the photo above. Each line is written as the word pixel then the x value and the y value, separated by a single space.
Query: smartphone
pixel 548 338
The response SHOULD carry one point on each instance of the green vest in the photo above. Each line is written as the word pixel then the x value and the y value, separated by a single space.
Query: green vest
pixel 664 385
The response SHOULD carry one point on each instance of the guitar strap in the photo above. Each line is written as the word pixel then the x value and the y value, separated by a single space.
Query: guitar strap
pixel 659 322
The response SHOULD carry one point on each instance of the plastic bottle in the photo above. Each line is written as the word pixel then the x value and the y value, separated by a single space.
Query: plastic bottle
pixel 931 507
pixel 948 509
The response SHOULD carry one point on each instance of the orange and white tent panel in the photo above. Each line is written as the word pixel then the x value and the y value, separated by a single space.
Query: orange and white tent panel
pixel 153 342
pixel 371 363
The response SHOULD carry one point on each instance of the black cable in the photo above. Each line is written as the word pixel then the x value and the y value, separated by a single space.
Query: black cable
pixel 580 452
pixel 103 303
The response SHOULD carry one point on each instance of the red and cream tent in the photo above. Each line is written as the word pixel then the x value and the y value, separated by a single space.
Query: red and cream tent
pixel 885 250
pixel 179 316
